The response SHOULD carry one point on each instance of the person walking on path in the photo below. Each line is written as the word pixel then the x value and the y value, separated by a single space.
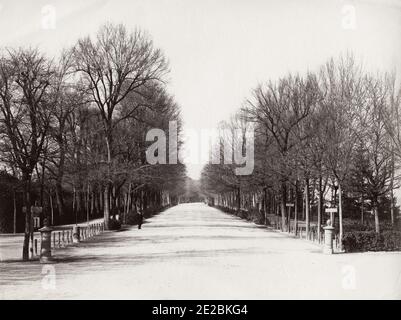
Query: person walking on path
pixel 140 220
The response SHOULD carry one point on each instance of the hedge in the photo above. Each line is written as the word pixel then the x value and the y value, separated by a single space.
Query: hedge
pixel 352 226
pixel 358 241
pixel 250 215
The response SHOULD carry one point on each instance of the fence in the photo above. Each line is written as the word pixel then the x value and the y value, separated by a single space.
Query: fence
pixel 62 236
pixel 274 222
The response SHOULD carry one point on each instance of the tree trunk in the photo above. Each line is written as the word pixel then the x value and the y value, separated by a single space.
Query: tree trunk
pixel 307 218
pixel 282 204
pixel 106 211
pixel 113 202
pixel 392 207
pixel 144 201
pixel 340 215
pixel 60 200
pixel 100 202
pixel 51 207
pixel 376 215
pixel 42 187
pixel 289 199
pixel 87 202
pixel 392 189
pixel 79 202
pixel 92 204
pixel 14 212
pixel 28 218
pixel 238 200
pixel 265 204
pixel 362 209
pixel 319 208
pixel 296 209
pixel 106 199
pixel 74 210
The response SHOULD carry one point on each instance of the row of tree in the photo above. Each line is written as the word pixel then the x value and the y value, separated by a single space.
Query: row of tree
pixel 73 130
pixel 334 131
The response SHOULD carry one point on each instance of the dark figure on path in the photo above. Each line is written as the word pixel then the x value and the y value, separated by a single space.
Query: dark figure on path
pixel 140 220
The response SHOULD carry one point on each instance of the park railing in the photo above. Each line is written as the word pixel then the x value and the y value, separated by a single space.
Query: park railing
pixel 327 237
pixel 62 236
pixel 274 221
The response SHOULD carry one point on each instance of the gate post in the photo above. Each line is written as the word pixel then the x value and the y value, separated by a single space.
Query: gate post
pixel 45 243
pixel 328 238
pixel 76 234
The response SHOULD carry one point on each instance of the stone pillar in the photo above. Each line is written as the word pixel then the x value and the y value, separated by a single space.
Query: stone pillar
pixel 45 243
pixel 76 234
pixel 328 238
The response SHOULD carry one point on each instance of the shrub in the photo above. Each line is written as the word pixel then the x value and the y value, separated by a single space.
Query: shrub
pixel 243 214
pixel 150 211
pixel 250 215
pixel 227 210
pixel 352 225
pixel 357 226
pixel 114 224
pixel 132 218
pixel 358 241
pixel 257 217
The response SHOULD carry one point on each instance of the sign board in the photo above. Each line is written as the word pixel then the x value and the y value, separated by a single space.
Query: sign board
pixel 289 204
pixel 331 210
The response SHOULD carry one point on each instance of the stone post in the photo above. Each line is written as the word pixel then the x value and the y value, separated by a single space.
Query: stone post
pixel 45 243
pixel 76 234
pixel 328 238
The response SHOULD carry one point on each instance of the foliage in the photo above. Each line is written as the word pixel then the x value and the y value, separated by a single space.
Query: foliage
pixel 252 215
pixel 114 224
pixel 371 241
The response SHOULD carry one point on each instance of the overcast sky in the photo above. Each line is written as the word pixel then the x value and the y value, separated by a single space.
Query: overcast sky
pixel 219 50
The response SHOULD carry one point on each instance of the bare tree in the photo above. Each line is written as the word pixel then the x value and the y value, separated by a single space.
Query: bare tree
pixel 280 109
pixel 25 79
pixel 112 66
pixel 378 171
pixel 345 98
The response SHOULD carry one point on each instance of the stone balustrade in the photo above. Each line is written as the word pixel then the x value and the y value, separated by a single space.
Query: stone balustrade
pixel 61 236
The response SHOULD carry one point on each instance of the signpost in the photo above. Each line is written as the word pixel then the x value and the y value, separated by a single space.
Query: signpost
pixel 289 205
pixel 331 211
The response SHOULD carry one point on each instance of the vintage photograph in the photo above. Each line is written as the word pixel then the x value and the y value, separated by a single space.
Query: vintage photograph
pixel 200 150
